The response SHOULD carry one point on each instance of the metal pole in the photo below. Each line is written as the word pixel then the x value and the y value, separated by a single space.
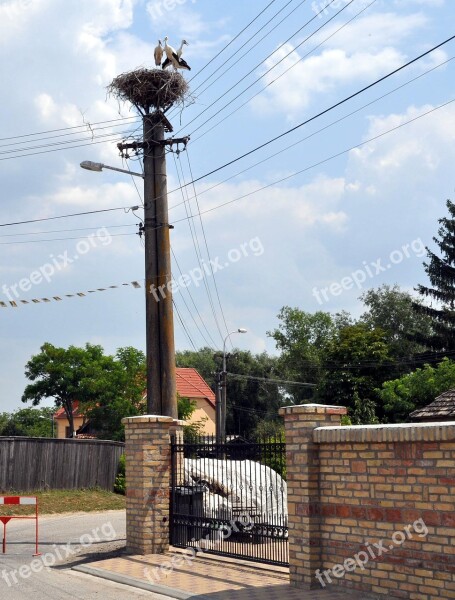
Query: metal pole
pixel 218 411
pixel 223 397
pixel 160 349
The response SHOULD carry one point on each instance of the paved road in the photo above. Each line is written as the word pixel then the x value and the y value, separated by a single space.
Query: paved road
pixel 65 541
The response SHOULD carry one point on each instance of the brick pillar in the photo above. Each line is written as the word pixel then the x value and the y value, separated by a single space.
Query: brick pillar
pixel 302 467
pixel 148 472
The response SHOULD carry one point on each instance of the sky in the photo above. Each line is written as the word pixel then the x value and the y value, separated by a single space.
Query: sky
pixel 344 203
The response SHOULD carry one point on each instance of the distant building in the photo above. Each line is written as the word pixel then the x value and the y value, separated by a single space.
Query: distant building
pixel 190 384
pixel 442 409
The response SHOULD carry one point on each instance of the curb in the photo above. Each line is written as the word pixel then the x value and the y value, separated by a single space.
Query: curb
pixel 131 581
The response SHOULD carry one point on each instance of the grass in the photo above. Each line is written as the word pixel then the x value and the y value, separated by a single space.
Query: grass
pixel 53 502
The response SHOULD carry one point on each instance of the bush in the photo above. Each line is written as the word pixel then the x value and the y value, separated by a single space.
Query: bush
pixel 120 481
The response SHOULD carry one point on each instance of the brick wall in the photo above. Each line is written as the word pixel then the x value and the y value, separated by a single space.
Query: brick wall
pixel 148 471
pixel 371 508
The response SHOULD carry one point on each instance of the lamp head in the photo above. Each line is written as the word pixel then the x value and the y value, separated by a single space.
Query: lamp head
pixel 92 166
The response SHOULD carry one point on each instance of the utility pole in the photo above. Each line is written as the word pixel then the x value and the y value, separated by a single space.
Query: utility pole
pixel 162 397
pixel 218 419
pixel 160 347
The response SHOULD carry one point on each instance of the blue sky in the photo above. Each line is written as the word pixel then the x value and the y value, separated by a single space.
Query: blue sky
pixel 316 240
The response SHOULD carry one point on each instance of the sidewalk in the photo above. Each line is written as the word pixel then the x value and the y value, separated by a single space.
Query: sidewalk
pixel 206 577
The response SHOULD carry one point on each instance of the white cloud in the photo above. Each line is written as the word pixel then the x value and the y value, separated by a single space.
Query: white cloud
pixel 319 74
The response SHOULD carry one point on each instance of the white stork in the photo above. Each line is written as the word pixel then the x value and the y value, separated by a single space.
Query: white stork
pixel 180 50
pixel 159 54
pixel 173 58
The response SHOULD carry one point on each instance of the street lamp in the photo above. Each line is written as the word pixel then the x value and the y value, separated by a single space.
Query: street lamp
pixel 53 423
pixel 159 317
pixel 98 167
pixel 222 382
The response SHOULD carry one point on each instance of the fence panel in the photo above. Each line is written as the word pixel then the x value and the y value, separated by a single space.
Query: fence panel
pixel 28 464
pixel 230 499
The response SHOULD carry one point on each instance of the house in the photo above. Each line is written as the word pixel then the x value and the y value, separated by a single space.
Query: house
pixel 442 409
pixel 190 384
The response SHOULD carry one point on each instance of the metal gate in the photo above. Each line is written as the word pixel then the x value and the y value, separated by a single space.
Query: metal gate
pixel 230 499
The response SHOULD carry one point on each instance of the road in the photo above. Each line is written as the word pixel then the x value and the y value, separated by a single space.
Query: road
pixel 65 540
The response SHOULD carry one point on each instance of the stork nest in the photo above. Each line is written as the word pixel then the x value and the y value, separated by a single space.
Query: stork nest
pixel 150 88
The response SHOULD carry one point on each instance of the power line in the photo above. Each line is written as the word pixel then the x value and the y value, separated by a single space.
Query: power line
pixel 90 212
pixel 61 239
pixel 67 230
pixel 279 76
pixel 16 137
pixel 207 246
pixel 287 148
pixel 320 114
pixel 263 61
pixel 274 381
pixel 196 245
pixel 232 41
pixel 183 325
pixel 321 162
pixel 246 44
pixel 196 309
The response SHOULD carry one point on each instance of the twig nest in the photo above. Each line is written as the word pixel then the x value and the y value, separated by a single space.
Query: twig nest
pixel 147 88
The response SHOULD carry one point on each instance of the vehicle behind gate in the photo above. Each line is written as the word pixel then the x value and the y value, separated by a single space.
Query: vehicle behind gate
pixel 230 499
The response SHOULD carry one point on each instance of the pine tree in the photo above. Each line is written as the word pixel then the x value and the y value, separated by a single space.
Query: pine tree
pixel 441 273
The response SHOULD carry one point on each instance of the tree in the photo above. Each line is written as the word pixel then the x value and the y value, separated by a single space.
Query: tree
pixel 441 273
pixel 391 310
pixel 203 361
pixel 353 369
pixel 123 395
pixel 301 338
pixel 27 422
pixel 67 375
pixel 250 399
pixel 415 390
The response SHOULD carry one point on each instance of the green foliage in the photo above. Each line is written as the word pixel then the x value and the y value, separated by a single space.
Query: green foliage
pixel 27 422
pixel 66 375
pixel 120 481
pixel 185 407
pixel 415 390
pixel 301 338
pixel 441 273
pixel 391 310
pixel 353 370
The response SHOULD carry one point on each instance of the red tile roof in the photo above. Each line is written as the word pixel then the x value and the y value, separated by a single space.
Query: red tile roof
pixel 60 414
pixel 190 384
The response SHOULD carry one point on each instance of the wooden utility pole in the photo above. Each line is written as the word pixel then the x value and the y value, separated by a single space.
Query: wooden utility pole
pixel 160 347
pixel 161 384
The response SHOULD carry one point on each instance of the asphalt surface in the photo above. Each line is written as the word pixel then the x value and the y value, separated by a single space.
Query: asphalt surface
pixel 65 541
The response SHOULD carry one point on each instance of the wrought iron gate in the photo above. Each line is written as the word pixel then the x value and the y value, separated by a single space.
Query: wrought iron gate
pixel 230 499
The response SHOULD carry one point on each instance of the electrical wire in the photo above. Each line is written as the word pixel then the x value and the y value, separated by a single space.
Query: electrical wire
pixel 183 325
pixel 89 212
pixel 67 230
pixel 274 381
pixel 320 114
pixel 243 47
pixel 196 245
pixel 321 162
pixel 290 147
pixel 349 2
pixel 61 239
pixel 277 78
pixel 212 272
pixel 213 343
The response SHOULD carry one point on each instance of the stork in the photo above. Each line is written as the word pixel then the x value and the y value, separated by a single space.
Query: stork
pixel 180 50
pixel 159 54
pixel 173 57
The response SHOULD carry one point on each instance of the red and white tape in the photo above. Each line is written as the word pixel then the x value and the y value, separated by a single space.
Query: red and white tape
pixel 18 500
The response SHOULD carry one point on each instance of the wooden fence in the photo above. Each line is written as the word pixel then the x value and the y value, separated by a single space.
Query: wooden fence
pixel 28 464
